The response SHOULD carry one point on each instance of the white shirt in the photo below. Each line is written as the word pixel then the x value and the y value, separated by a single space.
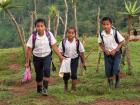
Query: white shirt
pixel 65 67
pixel 71 48
pixel 109 40
pixel 42 47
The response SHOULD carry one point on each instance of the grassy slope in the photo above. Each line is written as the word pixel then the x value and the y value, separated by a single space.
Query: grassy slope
pixel 92 85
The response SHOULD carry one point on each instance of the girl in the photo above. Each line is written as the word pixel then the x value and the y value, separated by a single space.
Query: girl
pixel 72 48
pixel 40 44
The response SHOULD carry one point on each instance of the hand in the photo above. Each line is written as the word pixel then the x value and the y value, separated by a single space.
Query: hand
pixel 107 52
pixel 113 52
pixel 27 65
pixel 84 66
pixel 62 58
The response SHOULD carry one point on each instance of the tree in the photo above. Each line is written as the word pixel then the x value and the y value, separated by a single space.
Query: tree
pixel 6 6
pixel 74 2
pixel 131 10
pixel 66 18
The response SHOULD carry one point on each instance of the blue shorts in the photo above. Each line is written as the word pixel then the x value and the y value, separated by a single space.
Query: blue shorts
pixel 112 64
pixel 42 67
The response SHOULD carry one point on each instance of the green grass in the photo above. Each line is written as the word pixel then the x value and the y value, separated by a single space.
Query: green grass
pixel 91 86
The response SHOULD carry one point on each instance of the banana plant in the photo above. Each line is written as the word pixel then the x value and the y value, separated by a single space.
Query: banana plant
pixel 6 6
pixel 131 10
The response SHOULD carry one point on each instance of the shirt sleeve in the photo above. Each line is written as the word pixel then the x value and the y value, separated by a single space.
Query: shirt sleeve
pixel 29 42
pixel 53 40
pixel 120 37
pixel 60 47
pixel 99 39
pixel 81 47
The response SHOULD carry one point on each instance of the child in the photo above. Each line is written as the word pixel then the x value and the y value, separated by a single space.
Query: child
pixel 111 42
pixel 72 48
pixel 40 44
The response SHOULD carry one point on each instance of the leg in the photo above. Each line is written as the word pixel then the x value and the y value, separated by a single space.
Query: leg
pixel 74 67
pixel 46 73
pixel 108 69
pixel 38 64
pixel 66 78
pixel 116 68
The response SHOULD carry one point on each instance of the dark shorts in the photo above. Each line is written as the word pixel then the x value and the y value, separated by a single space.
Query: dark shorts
pixel 74 67
pixel 42 67
pixel 112 64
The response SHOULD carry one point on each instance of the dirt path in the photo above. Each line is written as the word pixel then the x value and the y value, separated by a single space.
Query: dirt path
pixel 115 102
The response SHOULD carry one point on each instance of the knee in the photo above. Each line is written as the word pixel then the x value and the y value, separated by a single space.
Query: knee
pixel 66 76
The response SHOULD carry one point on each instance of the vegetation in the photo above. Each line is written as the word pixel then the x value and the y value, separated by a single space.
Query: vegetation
pixel 91 87
pixel 86 17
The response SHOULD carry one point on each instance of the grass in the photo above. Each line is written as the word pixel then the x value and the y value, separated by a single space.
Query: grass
pixel 91 86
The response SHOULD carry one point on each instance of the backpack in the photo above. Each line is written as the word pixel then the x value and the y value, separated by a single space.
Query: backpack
pixel 34 38
pixel 49 39
pixel 77 46
pixel 115 37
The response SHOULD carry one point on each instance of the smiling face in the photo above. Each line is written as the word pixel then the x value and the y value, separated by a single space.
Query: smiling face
pixel 71 33
pixel 40 27
pixel 107 26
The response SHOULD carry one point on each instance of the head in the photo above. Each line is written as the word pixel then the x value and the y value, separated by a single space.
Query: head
pixel 40 26
pixel 107 24
pixel 71 33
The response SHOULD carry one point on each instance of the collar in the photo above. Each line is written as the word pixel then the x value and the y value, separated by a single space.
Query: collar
pixel 111 32
pixel 41 37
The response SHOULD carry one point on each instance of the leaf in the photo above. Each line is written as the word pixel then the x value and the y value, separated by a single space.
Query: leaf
pixel 126 7
pixel 134 5
pixel 5 3
pixel 14 7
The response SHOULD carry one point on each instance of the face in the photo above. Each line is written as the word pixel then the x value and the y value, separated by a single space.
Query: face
pixel 106 26
pixel 71 34
pixel 40 27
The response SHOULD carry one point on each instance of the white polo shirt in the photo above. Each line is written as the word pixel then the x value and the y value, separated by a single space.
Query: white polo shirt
pixel 42 47
pixel 71 48
pixel 109 39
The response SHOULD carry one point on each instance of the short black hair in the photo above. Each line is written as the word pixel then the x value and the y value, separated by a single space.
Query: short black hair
pixel 106 19
pixel 40 20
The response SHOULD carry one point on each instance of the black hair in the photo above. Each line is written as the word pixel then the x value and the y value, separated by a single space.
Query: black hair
pixel 71 28
pixel 106 19
pixel 40 20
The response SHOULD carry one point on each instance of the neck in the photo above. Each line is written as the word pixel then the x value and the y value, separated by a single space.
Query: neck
pixel 108 32
pixel 70 39
pixel 41 33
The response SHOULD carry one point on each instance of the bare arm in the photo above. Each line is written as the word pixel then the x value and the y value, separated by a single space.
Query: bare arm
pixel 28 55
pixel 55 48
pixel 104 50
pixel 82 56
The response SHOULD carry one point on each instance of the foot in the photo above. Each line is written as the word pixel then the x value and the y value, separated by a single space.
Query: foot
pixel 117 84
pixel 45 92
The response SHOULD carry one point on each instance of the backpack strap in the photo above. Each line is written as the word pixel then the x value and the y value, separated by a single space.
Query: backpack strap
pixel 77 45
pixel 34 38
pixel 116 36
pixel 101 37
pixel 63 45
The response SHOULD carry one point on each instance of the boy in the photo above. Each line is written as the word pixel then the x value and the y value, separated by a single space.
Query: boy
pixel 40 44
pixel 111 42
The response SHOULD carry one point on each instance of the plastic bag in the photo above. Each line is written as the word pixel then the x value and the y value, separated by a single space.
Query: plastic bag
pixel 26 75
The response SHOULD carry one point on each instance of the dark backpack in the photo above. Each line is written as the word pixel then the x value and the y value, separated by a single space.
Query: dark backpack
pixel 77 45
pixel 115 37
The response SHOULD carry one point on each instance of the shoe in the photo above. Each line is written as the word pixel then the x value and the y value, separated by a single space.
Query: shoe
pixel 39 89
pixel 117 84
pixel 44 92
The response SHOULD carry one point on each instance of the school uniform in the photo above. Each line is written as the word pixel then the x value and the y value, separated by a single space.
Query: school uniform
pixel 112 63
pixel 71 52
pixel 41 55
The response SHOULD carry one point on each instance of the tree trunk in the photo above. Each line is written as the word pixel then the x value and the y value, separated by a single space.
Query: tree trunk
pixel 56 24
pixel 31 23
pixel 17 28
pixel 139 22
pixel 49 23
pixel 66 18
pixel 35 10
pixel 75 18
pixel 98 22
pixel 126 51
